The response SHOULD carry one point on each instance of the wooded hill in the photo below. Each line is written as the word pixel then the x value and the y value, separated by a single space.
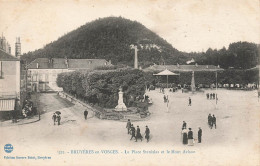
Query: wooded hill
pixel 112 39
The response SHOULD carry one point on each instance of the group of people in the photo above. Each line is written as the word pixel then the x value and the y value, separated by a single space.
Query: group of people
pixel 56 118
pixel 136 133
pixel 211 96
pixel 27 108
pixel 187 135
pixel 212 121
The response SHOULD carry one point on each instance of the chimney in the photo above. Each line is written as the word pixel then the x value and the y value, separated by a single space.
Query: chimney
pixel 18 47
pixel 136 58
pixel 37 65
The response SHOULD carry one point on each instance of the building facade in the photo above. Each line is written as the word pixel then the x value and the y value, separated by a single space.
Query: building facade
pixel 9 81
pixel 42 73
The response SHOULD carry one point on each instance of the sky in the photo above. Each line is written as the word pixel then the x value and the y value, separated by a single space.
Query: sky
pixel 189 25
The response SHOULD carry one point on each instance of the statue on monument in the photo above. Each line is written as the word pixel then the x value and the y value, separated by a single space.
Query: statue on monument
pixel 121 105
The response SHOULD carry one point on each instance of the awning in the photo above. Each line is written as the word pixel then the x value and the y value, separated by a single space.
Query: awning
pixel 166 72
pixel 7 104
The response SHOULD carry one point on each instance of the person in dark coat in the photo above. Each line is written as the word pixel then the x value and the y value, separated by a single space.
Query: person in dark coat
pixel 128 126
pixel 214 122
pixel 184 136
pixel 210 96
pixel 190 137
pixel 85 114
pixel 147 133
pixel 189 101
pixel 207 95
pixel 213 95
pixel 132 131
pixel 210 120
pixel 138 134
pixel 184 125
pixel 199 135
pixel 54 117
pixel 58 119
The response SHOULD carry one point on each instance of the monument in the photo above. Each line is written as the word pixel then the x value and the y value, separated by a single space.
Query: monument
pixel 121 105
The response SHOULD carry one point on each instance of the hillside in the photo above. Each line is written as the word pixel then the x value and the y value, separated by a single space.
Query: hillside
pixel 110 38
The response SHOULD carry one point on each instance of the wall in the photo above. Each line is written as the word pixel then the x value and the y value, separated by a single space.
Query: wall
pixel 10 82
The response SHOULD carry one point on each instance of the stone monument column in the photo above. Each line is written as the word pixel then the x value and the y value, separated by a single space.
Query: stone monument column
pixel 121 105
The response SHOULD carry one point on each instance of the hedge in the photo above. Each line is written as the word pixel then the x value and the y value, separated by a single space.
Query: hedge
pixel 101 87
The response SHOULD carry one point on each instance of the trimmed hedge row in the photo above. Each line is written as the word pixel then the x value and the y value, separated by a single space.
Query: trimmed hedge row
pixel 101 87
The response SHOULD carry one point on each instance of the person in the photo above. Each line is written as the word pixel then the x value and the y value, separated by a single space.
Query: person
pixel 164 98
pixel 54 117
pixel 209 120
pixel 207 96
pixel 58 119
pixel 189 101
pixel 128 126
pixel 85 114
pixel 138 134
pixel 214 120
pixel 213 96
pixel 199 135
pixel 147 133
pixel 184 136
pixel 190 137
pixel 132 131
pixel 210 96
pixel 184 125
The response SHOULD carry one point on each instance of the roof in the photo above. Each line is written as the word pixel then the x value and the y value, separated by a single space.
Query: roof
pixel 45 63
pixel 86 63
pixel 166 72
pixel 61 63
pixel 183 68
pixel 7 57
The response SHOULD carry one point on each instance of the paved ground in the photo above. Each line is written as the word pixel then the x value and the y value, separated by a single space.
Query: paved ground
pixel 236 135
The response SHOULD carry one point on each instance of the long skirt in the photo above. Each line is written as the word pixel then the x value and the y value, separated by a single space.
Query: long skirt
pixel 190 142
pixel 184 139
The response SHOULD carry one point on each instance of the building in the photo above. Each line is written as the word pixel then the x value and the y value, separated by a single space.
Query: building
pixel 42 72
pixel 9 82
pixel 183 68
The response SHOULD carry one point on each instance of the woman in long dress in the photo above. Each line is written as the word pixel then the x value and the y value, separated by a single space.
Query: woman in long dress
pixel 190 137
pixel 184 136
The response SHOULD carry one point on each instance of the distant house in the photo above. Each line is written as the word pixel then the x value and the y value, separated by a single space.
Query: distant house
pixel 42 72
pixel 9 81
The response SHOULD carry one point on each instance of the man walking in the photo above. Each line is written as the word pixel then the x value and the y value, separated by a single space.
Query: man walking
pixel 189 101
pixel 210 120
pixel 54 117
pixel 58 119
pixel 85 114
pixel 138 134
pixel 147 133
pixel 128 126
pixel 199 135
pixel 214 121
pixel 132 131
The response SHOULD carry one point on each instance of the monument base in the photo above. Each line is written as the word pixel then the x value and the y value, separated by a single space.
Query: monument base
pixel 121 107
